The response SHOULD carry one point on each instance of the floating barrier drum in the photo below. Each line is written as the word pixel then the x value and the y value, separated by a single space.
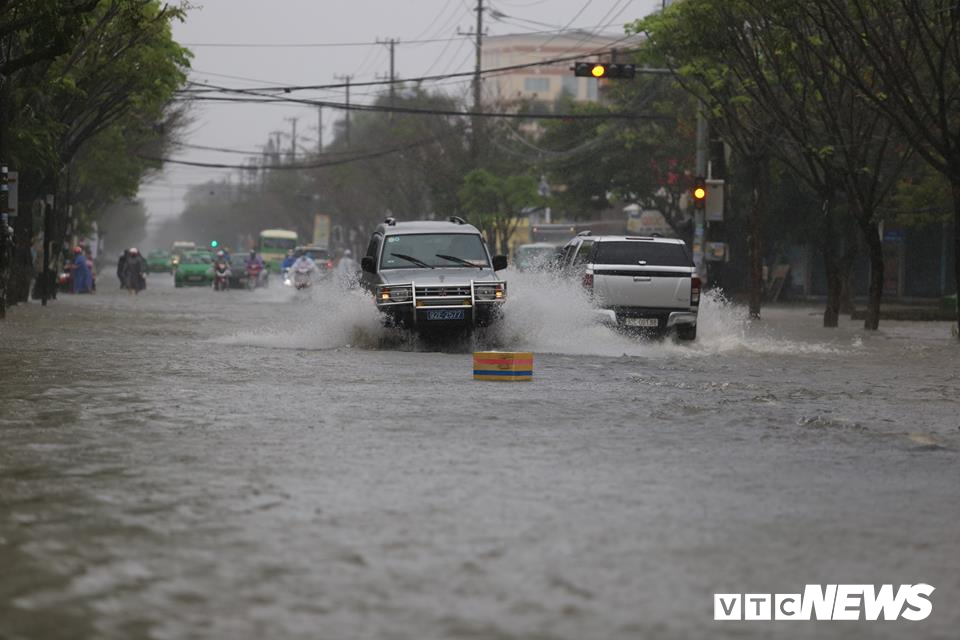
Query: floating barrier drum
pixel 507 366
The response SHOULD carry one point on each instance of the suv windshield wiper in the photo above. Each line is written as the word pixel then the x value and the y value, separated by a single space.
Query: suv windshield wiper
pixel 465 263
pixel 416 261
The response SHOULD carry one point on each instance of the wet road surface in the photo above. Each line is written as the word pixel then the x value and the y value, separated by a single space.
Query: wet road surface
pixel 184 464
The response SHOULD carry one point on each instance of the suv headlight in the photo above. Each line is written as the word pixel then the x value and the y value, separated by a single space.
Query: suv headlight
pixel 489 292
pixel 400 295
pixel 393 294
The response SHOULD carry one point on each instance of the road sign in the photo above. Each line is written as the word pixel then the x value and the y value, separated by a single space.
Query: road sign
pixel 713 205
pixel 321 230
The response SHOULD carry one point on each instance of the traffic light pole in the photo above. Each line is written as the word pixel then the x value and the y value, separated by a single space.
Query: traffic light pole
pixel 699 223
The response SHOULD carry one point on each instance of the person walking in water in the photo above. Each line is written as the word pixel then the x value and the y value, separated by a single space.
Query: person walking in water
pixel 134 272
pixel 82 279
pixel 121 265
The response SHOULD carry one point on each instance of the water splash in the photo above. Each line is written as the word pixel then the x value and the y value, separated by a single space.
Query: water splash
pixel 549 314
pixel 544 313
pixel 326 316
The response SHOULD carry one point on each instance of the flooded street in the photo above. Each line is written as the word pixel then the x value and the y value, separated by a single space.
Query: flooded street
pixel 185 464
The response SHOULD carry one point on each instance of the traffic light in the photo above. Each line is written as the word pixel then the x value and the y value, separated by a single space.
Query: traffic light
pixel 604 70
pixel 214 244
pixel 699 192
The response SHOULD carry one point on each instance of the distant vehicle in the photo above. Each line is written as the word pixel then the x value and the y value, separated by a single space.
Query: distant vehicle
pixel 159 262
pixel 320 255
pixel 538 256
pixel 645 284
pixel 195 269
pixel 238 272
pixel 179 248
pixel 274 244
pixel 431 276
pixel 221 275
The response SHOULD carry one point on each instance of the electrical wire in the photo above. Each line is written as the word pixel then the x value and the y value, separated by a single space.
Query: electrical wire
pixel 297 167
pixel 425 78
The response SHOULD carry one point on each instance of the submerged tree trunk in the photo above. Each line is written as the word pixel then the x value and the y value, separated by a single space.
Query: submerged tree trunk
pixel 871 234
pixel 831 314
pixel 756 244
pixel 956 243
pixel 21 272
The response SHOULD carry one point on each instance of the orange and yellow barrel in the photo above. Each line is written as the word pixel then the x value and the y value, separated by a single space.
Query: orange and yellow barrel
pixel 503 366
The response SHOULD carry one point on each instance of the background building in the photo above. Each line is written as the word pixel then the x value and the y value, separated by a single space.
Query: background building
pixel 548 82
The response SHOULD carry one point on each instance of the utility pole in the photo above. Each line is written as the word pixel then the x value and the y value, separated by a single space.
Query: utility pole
pixel 319 130
pixel 346 79
pixel 392 44
pixel 293 141
pixel 699 222
pixel 478 44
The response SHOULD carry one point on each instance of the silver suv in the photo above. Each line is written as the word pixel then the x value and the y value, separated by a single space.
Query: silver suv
pixel 644 283
pixel 433 275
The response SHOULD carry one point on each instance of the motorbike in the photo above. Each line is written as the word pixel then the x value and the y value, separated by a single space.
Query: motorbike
pixel 254 272
pixel 302 277
pixel 221 277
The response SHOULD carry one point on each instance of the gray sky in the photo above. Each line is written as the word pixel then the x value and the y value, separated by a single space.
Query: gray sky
pixel 329 22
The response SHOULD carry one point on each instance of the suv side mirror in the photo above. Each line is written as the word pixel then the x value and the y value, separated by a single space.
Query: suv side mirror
pixel 499 263
pixel 367 264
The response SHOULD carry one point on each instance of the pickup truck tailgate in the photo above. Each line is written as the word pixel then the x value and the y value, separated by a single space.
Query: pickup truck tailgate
pixel 628 286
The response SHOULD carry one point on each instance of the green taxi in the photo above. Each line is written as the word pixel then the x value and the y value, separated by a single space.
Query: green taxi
pixel 195 270
pixel 159 262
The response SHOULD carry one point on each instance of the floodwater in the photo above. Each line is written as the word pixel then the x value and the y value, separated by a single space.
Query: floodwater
pixel 190 464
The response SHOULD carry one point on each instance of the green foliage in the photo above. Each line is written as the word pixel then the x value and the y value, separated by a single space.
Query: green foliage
pixel 96 105
pixel 494 204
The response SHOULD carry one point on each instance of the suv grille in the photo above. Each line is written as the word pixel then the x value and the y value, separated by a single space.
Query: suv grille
pixel 443 291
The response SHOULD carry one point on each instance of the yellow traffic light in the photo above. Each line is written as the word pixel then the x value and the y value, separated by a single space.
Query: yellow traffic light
pixel 598 70
pixel 699 193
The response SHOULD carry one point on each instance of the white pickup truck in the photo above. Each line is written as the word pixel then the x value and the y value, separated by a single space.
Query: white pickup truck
pixel 648 284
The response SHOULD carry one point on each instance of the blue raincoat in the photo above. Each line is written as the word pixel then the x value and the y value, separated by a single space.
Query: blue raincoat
pixel 82 278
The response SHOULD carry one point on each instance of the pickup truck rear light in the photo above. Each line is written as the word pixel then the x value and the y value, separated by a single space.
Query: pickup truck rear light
pixel 695 290
pixel 587 281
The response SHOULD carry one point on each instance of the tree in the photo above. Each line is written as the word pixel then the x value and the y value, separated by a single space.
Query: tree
pixel 79 111
pixel 494 204
pixel 903 58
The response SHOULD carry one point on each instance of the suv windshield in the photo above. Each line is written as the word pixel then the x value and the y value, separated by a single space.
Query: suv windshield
pixel 412 251
pixel 633 252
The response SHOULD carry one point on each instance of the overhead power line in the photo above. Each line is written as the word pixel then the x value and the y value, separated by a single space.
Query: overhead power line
pixel 446 76
pixel 254 99
pixel 296 167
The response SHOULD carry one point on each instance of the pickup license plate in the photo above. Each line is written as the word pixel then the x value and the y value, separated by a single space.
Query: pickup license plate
pixel 445 314
pixel 641 322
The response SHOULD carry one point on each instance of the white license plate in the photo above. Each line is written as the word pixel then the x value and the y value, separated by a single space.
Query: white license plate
pixel 641 322
pixel 445 314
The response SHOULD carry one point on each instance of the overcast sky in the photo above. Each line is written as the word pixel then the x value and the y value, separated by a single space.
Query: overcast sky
pixel 342 39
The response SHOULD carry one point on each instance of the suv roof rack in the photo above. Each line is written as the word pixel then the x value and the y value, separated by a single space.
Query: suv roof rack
pixel 585 233
pixel 457 220
pixel 390 221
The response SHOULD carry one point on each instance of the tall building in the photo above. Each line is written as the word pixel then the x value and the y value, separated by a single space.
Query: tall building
pixel 545 83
